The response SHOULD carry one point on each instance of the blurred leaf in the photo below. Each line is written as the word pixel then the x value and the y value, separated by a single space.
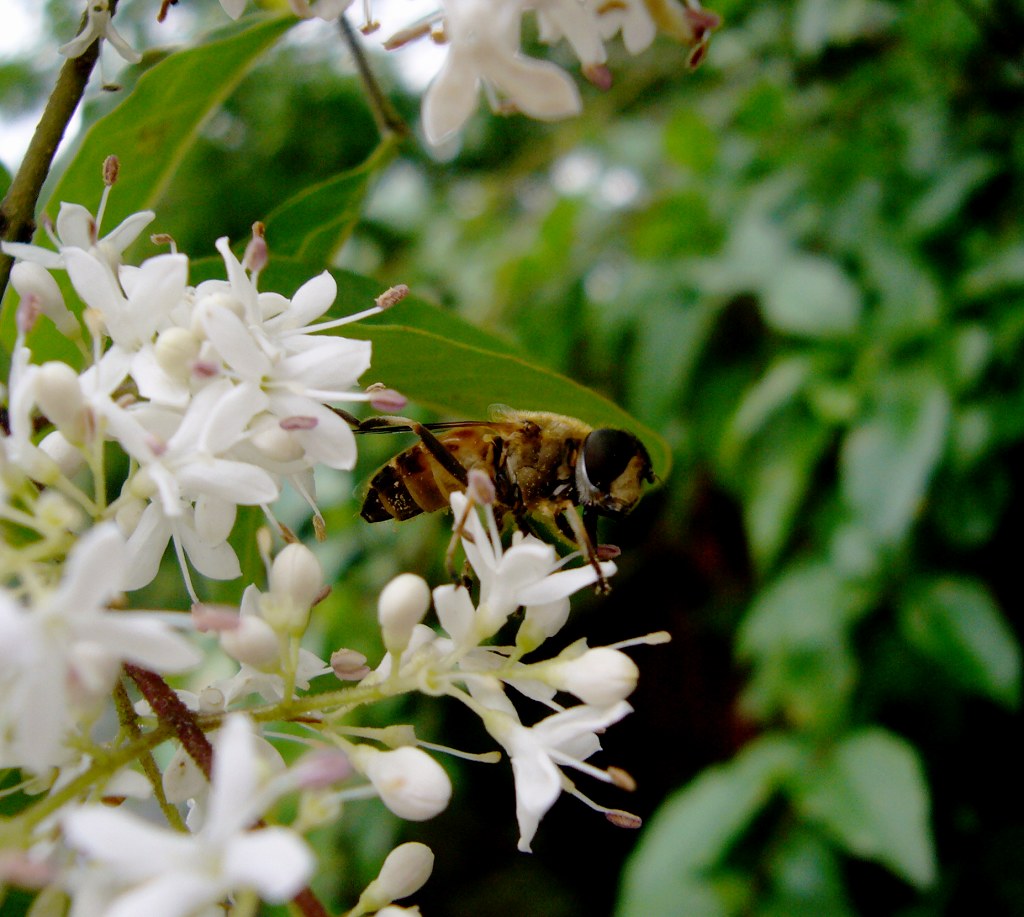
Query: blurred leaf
pixel 822 22
pixel 807 607
pixel 690 141
pixel 870 793
pixel 809 296
pixel 909 295
pixel 945 198
pixel 806 878
pixel 778 386
pixel 780 469
pixel 694 828
pixel 1000 268
pixel 889 457
pixel 957 623
pixel 315 223
pixel 796 637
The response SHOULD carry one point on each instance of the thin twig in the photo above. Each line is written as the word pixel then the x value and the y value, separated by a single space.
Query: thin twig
pixel 170 710
pixel 388 120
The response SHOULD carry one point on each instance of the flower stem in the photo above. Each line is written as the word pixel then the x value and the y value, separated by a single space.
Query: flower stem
pixel 130 724
pixel 171 711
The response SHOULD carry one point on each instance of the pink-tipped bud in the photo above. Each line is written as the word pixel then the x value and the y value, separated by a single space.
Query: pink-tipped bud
pixel 298 422
pixel 480 487
pixel 386 400
pixel 608 551
pixel 599 75
pixel 349 665
pixel 257 254
pixel 216 618
pixel 322 768
pixel 28 312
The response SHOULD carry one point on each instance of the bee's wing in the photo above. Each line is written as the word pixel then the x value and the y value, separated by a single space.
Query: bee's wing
pixel 389 425
pixel 502 413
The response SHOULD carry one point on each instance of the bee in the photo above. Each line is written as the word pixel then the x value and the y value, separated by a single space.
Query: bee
pixel 542 466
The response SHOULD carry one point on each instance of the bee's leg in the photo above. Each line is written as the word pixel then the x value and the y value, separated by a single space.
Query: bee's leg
pixel 586 544
pixel 432 444
pixel 479 492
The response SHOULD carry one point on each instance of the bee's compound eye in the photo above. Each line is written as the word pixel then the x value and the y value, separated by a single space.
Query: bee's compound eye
pixel 606 453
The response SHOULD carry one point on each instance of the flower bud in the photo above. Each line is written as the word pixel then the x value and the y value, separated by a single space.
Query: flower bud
pixel 253 642
pixel 67 457
pixel 405 871
pixel 601 676
pixel 410 783
pixel 31 279
pixel 403 603
pixel 176 349
pixel 59 396
pixel 297 573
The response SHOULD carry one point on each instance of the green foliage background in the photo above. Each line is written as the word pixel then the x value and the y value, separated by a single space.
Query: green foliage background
pixel 800 270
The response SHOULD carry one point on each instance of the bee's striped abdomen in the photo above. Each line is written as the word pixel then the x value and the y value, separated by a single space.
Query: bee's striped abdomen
pixel 410 484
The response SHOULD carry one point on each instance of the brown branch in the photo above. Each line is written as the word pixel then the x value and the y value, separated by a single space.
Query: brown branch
pixel 170 710
pixel 17 211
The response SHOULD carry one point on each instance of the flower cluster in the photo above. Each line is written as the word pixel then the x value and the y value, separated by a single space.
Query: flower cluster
pixel 485 48
pixel 216 395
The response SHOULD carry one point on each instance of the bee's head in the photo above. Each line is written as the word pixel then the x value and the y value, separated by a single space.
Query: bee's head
pixel 610 472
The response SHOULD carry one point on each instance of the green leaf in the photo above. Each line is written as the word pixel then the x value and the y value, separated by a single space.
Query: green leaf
pixel 778 386
pixel 694 828
pixel 870 793
pixel 796 635
pixel 809 296
pixel 780 468
pixel 807 607
pixel 463 380
pixel 153 128
pixel 888 459
pixel 691 141
pixel 315 223
pixel 956 622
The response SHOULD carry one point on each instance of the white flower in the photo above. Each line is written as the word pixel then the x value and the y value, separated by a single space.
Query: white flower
pixel 263 339
pixel 134 867
pixel 528 574
pixel 78 228
pixel 572 20
pixel 63 652
pixel 410 783
pixel 151 291
pixel 564 739
pixel 485 49
pixel 98 25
